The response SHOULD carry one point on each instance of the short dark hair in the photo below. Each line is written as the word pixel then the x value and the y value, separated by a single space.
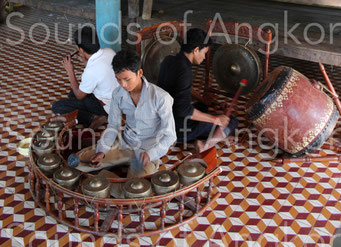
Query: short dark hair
pixel 86 38
pixel 195 37
pixel 126 60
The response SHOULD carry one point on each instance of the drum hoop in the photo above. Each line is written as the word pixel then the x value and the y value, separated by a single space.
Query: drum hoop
pixel 256 110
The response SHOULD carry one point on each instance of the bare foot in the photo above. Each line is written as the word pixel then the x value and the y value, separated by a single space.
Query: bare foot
pixel 97 122
pixel 230 141
pixel 200 146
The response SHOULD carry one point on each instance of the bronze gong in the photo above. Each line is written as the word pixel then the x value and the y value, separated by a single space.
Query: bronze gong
pixel 49 163
pixel 67 177
pixel 43 147
pixel 137 188
pixel 54 126
pixel 154 53
pixel 191 171
pixel 96 187
pixel 233 62
pixel 46 135
pixel 165 182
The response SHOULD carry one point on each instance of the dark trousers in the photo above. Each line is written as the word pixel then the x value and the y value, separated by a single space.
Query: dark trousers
pixel 193 130
pixel 88 108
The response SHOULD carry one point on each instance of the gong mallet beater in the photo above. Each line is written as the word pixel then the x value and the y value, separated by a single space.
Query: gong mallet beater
pixel 336 100
pixel 331 87
pixel 242 83
pixel 218 134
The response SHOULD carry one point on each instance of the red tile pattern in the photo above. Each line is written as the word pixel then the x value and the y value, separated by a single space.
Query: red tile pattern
pixel 261 203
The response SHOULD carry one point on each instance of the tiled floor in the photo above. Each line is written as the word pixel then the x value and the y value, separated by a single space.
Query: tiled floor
pixel 261 203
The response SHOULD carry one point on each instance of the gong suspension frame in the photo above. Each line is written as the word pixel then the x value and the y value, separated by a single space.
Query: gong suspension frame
pixel 157 31
pixel 334 147
pixel 239 30
pixel 68 206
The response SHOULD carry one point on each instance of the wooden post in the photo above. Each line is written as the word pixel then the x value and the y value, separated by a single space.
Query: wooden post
pixel 96 216
pixel 147 9
pixel 142 218
pixel 38 187
pixel 120 222
pixel 209 191
pixel 133 8
pixel 163 214
pixel 108 24
pixel 2 10
pixel 60 205
pixel 182 207
pixel 47 196
pixel 76 211
pixel 31 176
pixel 197 200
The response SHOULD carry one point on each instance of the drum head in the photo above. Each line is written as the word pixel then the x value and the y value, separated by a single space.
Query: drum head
pixel 154 53
pixel 233 62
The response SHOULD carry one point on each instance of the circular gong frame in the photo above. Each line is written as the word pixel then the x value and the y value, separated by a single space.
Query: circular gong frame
pixel 42 187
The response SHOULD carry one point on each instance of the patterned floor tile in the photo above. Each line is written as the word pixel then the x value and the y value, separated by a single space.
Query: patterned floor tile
pixel 262 203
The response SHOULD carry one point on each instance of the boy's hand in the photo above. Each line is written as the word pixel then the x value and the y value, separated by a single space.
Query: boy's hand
pixel 68 65
pixel 144 157
pixel 97 159
pixel 82 59
pixel 221 120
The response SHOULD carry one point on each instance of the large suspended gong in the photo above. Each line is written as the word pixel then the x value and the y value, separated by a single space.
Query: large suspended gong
pixel 233 62
pixel 154 53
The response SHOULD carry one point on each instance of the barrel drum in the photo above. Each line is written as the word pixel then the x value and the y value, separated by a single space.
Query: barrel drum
pixel 291 112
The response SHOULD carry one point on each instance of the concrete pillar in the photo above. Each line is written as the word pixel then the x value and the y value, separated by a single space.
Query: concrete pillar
pixel 108 23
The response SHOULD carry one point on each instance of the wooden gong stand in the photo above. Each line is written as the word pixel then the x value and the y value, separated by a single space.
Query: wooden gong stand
pixel 334 147
pixel 68 206
pixel 161 29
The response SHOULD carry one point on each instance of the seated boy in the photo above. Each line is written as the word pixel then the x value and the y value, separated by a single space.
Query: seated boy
pixel 176 77
pixel 149 125
pixel 92 96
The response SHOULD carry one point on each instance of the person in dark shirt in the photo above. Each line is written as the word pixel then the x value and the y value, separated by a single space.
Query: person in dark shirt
pixel 176 77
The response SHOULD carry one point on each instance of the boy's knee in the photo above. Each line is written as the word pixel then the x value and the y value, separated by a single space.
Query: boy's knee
pixel 57 107
pixel 233 123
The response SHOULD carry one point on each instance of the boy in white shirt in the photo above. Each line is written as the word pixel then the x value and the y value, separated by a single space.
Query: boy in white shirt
pixel 92 96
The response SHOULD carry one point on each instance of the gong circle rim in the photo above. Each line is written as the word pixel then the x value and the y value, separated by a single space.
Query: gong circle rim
pixel 229 82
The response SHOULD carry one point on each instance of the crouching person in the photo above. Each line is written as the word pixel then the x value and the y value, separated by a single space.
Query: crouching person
pixel 92 96
pixel 149 128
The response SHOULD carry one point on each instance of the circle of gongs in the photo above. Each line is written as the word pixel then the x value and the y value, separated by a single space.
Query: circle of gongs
pixel 234 62
pixel 154 53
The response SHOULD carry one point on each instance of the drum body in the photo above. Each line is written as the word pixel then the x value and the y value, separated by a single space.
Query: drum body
pixel 288 110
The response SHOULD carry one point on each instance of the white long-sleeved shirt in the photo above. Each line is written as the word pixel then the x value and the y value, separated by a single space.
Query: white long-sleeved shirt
pixel 149 126
pixel 99 77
